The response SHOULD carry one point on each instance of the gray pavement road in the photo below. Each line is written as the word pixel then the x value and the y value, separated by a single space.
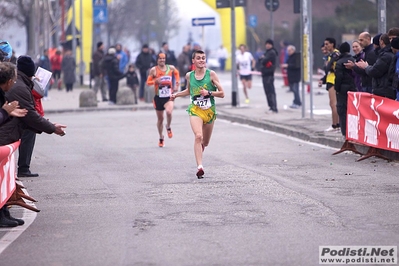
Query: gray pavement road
pixel 110 196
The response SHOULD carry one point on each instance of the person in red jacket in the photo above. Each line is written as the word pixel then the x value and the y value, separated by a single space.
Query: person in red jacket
pixel 55 62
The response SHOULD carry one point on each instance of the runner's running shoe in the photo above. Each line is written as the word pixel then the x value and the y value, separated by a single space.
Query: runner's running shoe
pixel 160 144
pixel 200 172
pixel 170 133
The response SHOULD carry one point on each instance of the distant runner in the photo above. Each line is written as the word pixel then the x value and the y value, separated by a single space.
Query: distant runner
pixel 161 77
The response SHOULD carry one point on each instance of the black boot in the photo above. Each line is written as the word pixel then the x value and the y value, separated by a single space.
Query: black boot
pixel 5 222
pixel 9 217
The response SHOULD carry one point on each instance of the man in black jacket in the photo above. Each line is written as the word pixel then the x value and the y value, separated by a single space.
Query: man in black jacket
pixel 110 66
pixel 293 66
pixel 380 70
pixel 99 81
pixel 394 68
pixel 144 62
pixel 12 130
pixel 170 55
pixel 268 67
pixel 344 82
pixel 369 56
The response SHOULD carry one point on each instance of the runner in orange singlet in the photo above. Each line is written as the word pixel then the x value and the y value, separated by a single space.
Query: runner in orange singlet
pixel 161 77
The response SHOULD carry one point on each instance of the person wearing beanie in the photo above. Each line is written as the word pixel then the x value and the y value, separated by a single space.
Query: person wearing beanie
pixel 268 67
pixel 110 66
pixel 376 43
pixel 6 48
pixel 33 121
pixel 380 70
pixel 344 82
pixel 394 67
pixel 98 75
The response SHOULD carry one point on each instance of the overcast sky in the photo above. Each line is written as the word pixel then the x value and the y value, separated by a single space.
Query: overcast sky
pixel 189 9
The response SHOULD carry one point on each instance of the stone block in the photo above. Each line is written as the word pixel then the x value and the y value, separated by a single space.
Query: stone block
pixel 87 98
pixel 124 96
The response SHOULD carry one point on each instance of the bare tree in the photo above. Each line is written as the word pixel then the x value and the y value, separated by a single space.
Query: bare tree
pixel 23 12
pixel 141 20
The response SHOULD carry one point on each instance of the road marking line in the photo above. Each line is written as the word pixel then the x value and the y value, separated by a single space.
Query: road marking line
pixel 14 232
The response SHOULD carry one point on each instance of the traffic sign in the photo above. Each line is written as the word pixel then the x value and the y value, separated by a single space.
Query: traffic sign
pixel 100 15
pixel 226 3
pixel 272 5
pixel 100 11
pixel 253 21
pixel 203 21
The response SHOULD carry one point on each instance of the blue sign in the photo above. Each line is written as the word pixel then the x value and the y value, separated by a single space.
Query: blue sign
pixel 203 21
pixel 253 21
pixel 100 11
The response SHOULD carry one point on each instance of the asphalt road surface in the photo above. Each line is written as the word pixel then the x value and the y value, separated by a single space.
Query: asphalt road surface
pixel 109 195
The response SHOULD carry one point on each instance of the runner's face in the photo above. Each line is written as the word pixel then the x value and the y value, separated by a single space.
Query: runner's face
pixel 161 61
pixel 199 60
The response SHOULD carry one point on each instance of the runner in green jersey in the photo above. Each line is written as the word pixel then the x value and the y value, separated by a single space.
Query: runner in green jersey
pixel 202 86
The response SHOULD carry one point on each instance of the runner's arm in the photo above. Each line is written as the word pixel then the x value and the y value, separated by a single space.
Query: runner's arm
pixel 185 92
pixel 150 78
pixel 215 80
pixel 177 79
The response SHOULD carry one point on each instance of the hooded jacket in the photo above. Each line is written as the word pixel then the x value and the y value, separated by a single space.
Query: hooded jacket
pixel 268 62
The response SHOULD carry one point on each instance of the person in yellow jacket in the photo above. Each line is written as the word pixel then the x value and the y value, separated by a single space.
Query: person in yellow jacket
pixel 329 79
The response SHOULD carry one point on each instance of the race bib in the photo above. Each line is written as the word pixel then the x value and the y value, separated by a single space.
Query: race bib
pixel 164 92
pixel 203 103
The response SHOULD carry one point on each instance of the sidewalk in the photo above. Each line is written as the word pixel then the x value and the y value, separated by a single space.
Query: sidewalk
pixel 287 121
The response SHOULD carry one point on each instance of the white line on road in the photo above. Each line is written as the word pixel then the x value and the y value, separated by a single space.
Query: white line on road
pixel 14 232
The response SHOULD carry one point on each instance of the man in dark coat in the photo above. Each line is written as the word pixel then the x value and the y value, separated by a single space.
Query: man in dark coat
pixel 369 56
pixel 12 130
pixel 144 62
pixel 99 81
pixel 344 82
pixel 293 66
pixel 268 67
pixel 170 55
pixel 394 68
pixel 110 65
pixel 380 70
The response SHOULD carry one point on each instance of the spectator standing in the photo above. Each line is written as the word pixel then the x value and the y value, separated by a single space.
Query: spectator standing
pixel 68 67
pixel 44 62
pixel 184 65
pixel 268 67
pixel 222 55
pixel 380 70
pixel 283 59
pixel 170 55
pixel 359 55
pixel 132 81
pixel 293 67
pixel 56 61
pixel 370 57
pixel 394 67
pixel 122 57
pixel 110 65
pixel 99 80
pixel 344 82
pixel 144 62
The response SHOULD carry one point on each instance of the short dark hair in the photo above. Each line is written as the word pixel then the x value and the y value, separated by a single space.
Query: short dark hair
pixel 7 71
pixel 99 44
pixel 163 44
pixel 144 46
pixel 385 38
pixel 197 52
pixel 393 32
pixel 331 40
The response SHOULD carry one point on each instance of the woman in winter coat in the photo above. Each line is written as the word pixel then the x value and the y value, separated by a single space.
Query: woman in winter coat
pixel 68 68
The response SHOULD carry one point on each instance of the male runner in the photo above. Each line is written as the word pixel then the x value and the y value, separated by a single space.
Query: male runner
pixel 202 86
pixel 160 76
pixel 245 63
